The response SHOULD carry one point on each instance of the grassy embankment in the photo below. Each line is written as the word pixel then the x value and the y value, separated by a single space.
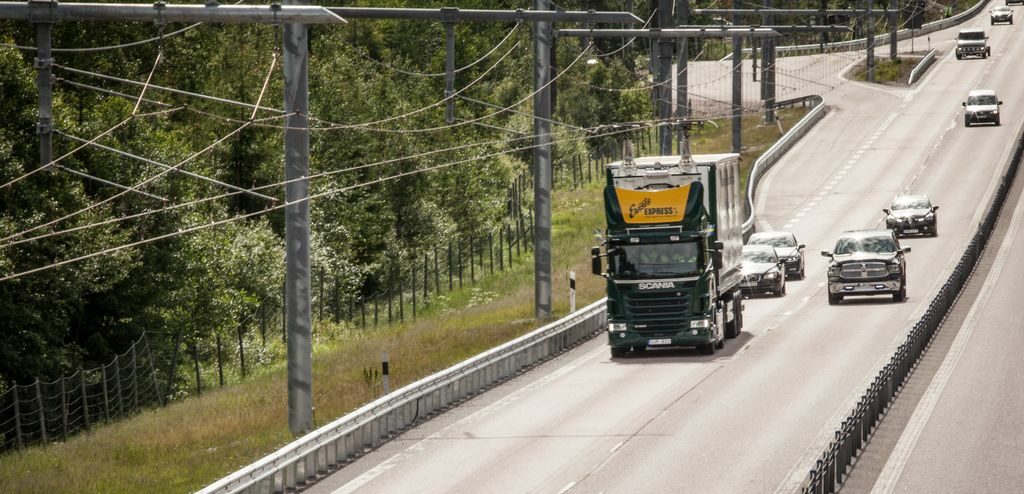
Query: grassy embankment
pixel 189 444
pixel 887 71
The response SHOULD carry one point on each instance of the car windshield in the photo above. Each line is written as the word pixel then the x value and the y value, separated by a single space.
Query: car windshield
pixel 681 258
pixel 985 99
pixel 972 35
pixel 759 255
pixel 1001 10
pixel 773 239
pixel 911 203
pixel 875 244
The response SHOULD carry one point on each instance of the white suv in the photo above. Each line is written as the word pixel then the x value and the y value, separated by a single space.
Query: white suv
pixel 982 105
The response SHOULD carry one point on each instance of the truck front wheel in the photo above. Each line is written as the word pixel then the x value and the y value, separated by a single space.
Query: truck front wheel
pixel 618 352
pixel 834 298
pixel 902 294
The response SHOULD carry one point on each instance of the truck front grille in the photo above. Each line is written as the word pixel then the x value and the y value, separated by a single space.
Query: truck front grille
pixel 863 270
pixel 657 311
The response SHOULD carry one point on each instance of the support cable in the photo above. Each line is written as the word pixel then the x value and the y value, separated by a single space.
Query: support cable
pixel 363 54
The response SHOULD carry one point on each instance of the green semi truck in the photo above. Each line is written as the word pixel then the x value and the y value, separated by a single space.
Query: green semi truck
pixel 673 246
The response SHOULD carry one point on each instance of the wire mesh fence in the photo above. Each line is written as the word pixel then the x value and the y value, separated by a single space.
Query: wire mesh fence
pixel 42 412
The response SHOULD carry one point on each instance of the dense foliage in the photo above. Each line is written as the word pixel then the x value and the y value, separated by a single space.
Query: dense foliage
pixel 196 285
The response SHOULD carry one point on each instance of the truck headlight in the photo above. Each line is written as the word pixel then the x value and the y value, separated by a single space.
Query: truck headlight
pixel 892 268
pixel 700 323
pixel 833 270
pixel 616 327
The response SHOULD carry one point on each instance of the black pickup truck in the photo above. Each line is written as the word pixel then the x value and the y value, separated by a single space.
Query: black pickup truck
pixel 867 262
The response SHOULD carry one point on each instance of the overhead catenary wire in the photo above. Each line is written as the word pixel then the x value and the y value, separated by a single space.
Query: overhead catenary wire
pixel 442 74
pixel 310 197
pixel 140 184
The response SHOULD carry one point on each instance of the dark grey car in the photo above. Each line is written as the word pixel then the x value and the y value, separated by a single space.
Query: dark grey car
pixel 912 215
pixel 790 252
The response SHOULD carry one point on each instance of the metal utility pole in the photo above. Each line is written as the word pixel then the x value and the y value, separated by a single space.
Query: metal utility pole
pixel 737 91
pixel 893 27
pixel 449 65
pixel 663 88
pixel 297 274
pixel 44 76
pixel 542 34
pixel 768 65
pixel 682 63
pixel 870 43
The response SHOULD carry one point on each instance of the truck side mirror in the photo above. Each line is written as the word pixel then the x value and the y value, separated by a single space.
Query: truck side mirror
pixel 801 247
pixel 886 211
pixel 718 245
pixel 963 104
pixel 826 253
pixel 906 250
pixel 595 260
pixel 716 258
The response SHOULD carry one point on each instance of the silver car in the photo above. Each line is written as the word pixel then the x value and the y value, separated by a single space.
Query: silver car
pixel 1001 14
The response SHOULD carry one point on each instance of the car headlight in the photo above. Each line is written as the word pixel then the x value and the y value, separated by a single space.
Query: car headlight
pixel 892 268
pixel 616 327
pixel 700 323
pixel 929 215
pixel 771 276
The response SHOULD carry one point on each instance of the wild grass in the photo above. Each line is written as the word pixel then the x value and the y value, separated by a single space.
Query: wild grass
pixel 191 443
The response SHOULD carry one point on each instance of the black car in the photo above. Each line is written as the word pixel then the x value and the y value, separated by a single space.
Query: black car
pixel 786 247
pixel 867 262
pixel 762 271
pixel 912 214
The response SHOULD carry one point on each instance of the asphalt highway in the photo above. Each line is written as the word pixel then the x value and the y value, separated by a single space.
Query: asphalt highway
pixel 754 417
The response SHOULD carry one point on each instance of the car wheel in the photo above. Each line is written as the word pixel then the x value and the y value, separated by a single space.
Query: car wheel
pixel 967 122
pixel 802 274
pixel 997 121
pixel 935 230
pixel 782 290
pixel 902 294
pixel 618 352
pixel 959 57
pixel 834 298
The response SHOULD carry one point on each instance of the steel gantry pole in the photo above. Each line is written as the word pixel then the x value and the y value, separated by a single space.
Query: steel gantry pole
pixel 542 34
pixel 737 91
pixel 449 68
pixel 297 270
pixel 870 42
pixel 682 66
pixel 43 13
pixel 893 27
pixel 663 85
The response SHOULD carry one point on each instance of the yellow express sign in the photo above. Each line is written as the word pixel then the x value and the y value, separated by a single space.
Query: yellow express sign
pixel 652 206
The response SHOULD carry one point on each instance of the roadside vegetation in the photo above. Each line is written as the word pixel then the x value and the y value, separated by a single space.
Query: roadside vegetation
pixel 191 443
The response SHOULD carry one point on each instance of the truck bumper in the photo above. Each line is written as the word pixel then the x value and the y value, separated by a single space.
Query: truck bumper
pixel 864 287
pixel 626 339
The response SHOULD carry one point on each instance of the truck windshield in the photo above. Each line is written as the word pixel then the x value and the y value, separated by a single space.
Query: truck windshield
pixel 985 99
pixel 875 245
pixel 675 259
pixel 972 35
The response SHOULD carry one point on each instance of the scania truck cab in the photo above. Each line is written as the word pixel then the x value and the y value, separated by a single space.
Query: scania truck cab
pixel 673 246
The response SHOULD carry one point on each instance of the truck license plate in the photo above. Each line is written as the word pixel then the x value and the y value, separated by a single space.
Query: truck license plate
pixel 660 341
pixel 910 230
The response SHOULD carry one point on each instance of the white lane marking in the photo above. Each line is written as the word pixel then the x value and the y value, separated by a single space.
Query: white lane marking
pixel 616 447
pixel 567 487
pixel 801 214
pixel 821 284
pixel 892 116
pixel 822 194
pixel 787 313
pixel 420 445
pixel 890 475
pixel 850 163
pixel 847 167
pixel 827 187
pixel 805 299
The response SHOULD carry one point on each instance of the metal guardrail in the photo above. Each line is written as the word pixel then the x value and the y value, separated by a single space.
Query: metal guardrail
pixel 767 160
pixel 323 450
pixel 880 39
pixel 831 469
pixel 921 67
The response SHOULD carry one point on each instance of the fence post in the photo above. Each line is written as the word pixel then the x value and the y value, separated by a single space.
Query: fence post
pixel 426 276
pixel 220 363
pixel 376 310
pixel 472 260
pixel 17 416
pixel 401 303
pixel 459 253
pixel 135 379
pixel 42 412
pixel 508 237
pixel 284 315
pixel 263 323
pixel 389 306
pixel 120 388
pixel 160 397
pixel 519 236
pixel 337 301
pixel 64 408
pixel 490 249
pixel 501 248
pixel 450 265
pixel 241 347
pixel 362 310
pixel 85 397
pixel 320 299
pixel 413 271
pixel 199 378
pixel 437 274
pixel 106 394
